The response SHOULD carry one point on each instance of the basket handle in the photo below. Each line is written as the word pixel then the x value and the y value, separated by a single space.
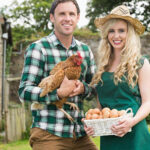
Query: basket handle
pixel 129 110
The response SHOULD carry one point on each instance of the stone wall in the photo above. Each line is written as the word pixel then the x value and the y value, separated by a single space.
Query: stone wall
pixel 94 43
pixel 18 60
pixel 145 40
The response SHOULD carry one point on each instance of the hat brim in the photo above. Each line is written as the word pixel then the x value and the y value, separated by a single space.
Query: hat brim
pixel 139 28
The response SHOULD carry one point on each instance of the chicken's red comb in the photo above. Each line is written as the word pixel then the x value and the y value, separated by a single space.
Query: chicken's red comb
pixel 79 54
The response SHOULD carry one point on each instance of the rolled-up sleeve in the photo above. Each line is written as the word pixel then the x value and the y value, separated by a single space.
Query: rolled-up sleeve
pixel 89 92
pixel 32 74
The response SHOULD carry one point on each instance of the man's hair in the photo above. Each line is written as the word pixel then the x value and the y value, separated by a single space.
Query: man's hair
pixel 56 2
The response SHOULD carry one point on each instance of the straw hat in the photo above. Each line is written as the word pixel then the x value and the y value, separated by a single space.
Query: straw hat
pixel 121 12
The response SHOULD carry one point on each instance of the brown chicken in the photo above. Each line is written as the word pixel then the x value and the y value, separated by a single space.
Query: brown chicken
pixel 71 68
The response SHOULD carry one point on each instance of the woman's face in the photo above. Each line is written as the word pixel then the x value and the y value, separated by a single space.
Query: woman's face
pixel 117 35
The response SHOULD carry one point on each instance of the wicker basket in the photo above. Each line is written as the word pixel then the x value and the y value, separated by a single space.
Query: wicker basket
pixel 102 127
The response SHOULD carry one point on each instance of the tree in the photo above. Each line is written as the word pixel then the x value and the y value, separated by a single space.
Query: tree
pixel 21 33
pixel 139 9
pixel 31 13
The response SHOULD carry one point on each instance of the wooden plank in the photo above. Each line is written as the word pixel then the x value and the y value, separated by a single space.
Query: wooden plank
pixel 13 79
pixel 15 123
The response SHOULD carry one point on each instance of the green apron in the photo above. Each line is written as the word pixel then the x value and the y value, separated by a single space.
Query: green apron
pixel 122 96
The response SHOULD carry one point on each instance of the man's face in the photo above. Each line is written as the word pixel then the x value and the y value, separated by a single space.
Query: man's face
pixel 65 19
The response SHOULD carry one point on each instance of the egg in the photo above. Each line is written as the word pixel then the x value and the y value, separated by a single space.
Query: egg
pixel 113 113
pixel 90 111
pixel 88 116
pixel 121 113
pixel 100 116
pixel 106 114
pixel 105 109
pixel 95 116
pixel 96 111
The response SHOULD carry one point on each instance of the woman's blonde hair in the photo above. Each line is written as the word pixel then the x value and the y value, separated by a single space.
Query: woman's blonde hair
pixel 130 55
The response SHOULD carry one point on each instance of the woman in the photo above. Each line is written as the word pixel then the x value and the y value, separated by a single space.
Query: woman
pixel 122 79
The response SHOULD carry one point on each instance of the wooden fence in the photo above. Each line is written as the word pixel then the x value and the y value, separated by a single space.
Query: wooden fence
pixel 15 116
pixel 15 123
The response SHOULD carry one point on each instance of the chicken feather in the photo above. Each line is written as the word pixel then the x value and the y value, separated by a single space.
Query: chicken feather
pixel 71 68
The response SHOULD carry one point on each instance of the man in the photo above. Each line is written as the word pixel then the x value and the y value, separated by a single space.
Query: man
pixel 50 128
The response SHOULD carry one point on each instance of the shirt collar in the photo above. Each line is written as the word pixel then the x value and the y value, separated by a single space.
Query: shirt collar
pixel 56 41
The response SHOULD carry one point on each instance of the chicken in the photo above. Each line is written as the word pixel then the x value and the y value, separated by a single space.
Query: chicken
pixel 71 68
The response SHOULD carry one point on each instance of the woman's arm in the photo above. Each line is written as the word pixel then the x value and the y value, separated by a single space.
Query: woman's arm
pixel 144 85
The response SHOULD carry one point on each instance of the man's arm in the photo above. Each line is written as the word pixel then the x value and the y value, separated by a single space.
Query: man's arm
pixel 32 75
pixel 83 87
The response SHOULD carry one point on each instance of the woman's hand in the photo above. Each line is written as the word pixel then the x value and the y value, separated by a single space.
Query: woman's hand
pixel 122 127
pixel 89 130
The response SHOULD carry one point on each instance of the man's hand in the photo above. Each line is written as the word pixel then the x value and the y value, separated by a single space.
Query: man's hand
pixel 66 88
pixel 78 90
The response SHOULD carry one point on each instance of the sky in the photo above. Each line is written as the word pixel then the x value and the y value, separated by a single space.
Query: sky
pixel 82 4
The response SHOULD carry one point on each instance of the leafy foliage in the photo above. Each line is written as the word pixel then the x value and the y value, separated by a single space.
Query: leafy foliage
pixel 86 34
pixel 148 119
pixel 32 13
pixel 20 32
pixel 89 104
pixel 138 8
pixel 8 58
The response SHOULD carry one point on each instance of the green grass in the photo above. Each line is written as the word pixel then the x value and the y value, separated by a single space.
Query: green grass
pixel 19 145
pixel 96 140
pixel 24 145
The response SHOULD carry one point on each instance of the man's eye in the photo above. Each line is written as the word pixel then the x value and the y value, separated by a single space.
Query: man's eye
pixel 62 14
pixel 72 14
pixel 110 31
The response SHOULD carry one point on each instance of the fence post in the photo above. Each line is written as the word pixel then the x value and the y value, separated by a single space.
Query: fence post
pixel 6 98
pixel 1 58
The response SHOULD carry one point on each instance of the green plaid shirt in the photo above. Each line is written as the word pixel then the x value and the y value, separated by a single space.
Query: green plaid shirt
pixel 40 58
